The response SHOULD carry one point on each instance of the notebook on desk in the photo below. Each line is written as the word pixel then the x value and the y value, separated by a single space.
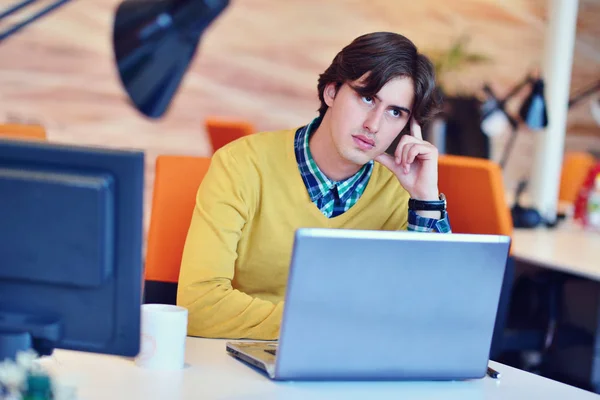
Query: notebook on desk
pixel 380 305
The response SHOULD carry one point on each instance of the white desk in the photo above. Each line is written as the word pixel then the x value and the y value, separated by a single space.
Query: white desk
pixel 567 248
pixel 213 374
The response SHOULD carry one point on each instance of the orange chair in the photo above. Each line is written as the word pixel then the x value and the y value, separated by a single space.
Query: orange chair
pixel 21 131
pixel 176 183
pixel 575 168
pixel 474 188
pixel 220 131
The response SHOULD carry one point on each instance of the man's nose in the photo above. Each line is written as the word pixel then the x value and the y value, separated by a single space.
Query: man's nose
pixel 373 121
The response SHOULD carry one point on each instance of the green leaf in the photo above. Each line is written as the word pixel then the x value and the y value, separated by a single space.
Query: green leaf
pixel 456 57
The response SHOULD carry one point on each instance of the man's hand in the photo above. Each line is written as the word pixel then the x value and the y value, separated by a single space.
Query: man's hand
pixel 416 166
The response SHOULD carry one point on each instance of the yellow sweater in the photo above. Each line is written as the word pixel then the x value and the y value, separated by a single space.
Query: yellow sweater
pixel 236 257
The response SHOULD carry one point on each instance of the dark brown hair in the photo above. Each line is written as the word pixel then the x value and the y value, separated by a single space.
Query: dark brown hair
pixel 385 56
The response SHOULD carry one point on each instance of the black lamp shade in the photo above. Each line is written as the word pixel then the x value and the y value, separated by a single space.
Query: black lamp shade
pixel 154 42
pixel 533 111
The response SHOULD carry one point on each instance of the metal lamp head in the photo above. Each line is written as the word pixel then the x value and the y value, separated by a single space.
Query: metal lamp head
pixel 494 119
pixel 154 42
pixel 533 111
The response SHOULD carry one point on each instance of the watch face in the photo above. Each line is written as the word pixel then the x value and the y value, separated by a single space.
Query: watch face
pixel 443 198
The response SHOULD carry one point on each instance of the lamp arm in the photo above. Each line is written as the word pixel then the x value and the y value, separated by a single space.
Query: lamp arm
pixel 15 8
pixel 511 141
pixel 516 89
pixel 580 96
pixel 22 24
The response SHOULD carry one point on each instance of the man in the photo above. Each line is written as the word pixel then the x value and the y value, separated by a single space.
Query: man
pixel 332 173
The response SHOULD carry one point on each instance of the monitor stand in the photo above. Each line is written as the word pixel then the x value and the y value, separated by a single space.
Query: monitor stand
pixel 24 331
pixel 13 342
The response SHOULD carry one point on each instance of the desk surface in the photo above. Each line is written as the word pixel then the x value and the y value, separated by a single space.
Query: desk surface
pixel 568 248
pixel 212 374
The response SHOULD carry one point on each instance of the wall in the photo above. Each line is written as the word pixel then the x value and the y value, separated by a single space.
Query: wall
pixel 260 62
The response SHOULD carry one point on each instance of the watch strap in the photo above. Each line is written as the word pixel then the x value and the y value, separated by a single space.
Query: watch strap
pixel 431 205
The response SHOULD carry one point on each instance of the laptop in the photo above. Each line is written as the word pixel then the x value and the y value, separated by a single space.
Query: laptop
pixel 381 305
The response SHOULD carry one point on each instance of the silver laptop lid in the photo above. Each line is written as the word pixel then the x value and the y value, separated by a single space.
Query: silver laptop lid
pixel 390 305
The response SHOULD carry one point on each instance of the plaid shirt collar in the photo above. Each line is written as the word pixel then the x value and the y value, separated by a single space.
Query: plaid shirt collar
pixel 317 184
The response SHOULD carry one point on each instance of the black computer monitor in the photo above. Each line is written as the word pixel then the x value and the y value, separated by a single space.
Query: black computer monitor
pixel 70 248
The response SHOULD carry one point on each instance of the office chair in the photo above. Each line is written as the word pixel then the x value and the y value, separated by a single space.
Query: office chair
pixel 222 131
pixel 22 132
pixel 176 184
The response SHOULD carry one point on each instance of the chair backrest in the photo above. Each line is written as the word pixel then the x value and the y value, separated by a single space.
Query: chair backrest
pixel 22 131
pixel 575 168
pixel 222 131
pixel 175 186
pixel 474 189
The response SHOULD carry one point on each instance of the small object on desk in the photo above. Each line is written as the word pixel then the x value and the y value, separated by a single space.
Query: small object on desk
pixel 164 330
pixel 492 373
pixel 271 351
pixel 25 379
pixel 584 204
pixel 593 205
pixel 38 387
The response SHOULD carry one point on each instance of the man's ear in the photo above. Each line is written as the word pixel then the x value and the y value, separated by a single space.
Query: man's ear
pixel 329 93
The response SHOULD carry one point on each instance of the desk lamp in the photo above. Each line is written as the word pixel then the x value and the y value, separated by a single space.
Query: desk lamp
pixel 154 42
pixel 495 120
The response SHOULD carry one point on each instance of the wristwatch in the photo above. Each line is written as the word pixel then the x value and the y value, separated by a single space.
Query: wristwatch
pixel 433 205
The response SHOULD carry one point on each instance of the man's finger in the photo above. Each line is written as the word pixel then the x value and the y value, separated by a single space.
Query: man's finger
pixel 386 160
pixel 424 151
pixel 415 129
pixel 414 152
pixel 405 155
pixel 405 140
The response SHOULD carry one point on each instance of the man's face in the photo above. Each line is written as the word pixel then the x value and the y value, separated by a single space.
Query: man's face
pixel 364 127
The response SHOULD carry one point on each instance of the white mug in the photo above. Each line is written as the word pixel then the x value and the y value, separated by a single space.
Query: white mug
pixel 163 333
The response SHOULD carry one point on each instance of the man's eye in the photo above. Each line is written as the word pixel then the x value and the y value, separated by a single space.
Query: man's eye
pixel 367 99
pixel 396 113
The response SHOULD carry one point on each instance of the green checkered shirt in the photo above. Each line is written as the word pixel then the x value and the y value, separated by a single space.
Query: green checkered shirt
pixel 331 197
